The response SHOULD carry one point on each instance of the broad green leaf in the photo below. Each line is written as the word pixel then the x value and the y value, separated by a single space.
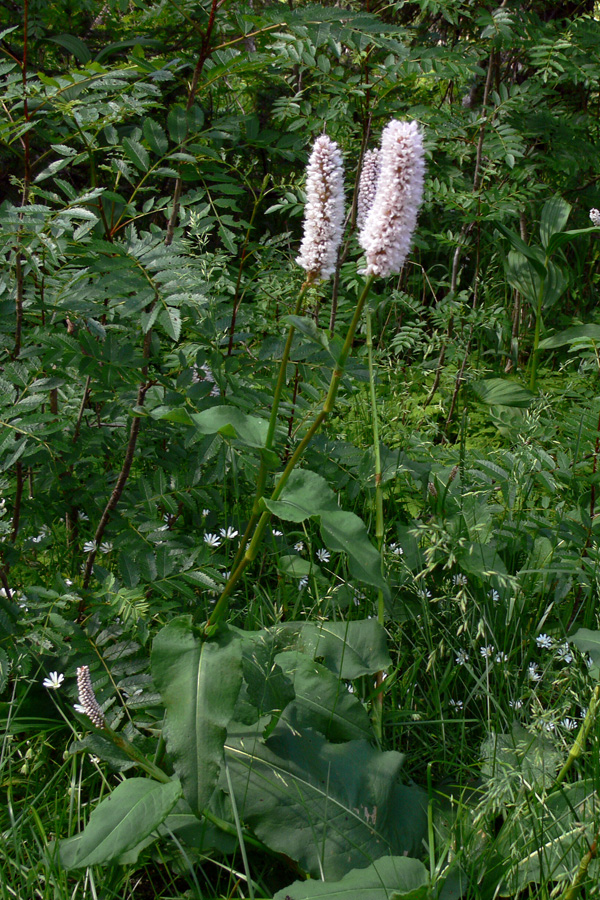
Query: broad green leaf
pixel 330 807
pixel 349 649
pixel 156 137
pixel 170 319
pixel 309 328
pixel 232 423
pixel 557 240
pixel 550 284
pixel 533 254
pixel 590 333
pixel 502 392
pixel 177 124
pixel 136 153
pixel 322 701
pixel 73 45
pixel 307 495
pixel 199 682
pixel 548 840
pixel 389 878
pixel 554 218
pixel 588 641
pixel 266 688
pixel 120 822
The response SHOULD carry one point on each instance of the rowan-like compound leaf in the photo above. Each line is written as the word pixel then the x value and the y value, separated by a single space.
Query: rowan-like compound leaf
pixel 331 807
pixel 121 822
pixel 199 682
pixel 308 496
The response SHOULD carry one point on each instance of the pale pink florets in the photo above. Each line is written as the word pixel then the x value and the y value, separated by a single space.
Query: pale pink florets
pixel 367 186
pixel 389 226
pixel 324 211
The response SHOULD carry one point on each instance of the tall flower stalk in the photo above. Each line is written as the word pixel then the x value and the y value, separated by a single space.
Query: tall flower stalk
pixel 385 237
pixel 323 229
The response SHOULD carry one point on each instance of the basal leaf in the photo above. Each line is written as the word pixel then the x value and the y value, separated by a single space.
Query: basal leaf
pixel 554 217
pixel 331 807
pixel 396 877
pixel 199 682
pixel 135 808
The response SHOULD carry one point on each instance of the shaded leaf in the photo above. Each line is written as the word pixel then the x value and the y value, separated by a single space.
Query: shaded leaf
pixel 502 392
pixel 389 878
pixel 199 682
pixel 120 822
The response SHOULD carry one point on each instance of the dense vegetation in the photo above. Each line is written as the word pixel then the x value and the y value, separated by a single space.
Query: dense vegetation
pixel 367 662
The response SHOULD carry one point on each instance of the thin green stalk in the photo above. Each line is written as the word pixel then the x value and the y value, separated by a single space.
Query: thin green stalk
pixel 536 337
pixel 579 743
pixel 379 524
pixel 261 480
pixel 252 549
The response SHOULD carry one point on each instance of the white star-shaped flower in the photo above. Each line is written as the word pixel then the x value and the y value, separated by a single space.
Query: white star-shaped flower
pixel 53 681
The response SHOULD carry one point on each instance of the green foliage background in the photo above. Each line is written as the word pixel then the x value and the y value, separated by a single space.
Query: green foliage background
pixel 152 167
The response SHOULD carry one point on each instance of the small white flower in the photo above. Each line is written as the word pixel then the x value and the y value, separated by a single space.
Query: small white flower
pixel 299 547
pixel 494 596
pixel 583 712
pixel 501 657
pixel 544 641
pixel 54 681
pixel 460 580
pixel 569 724
pixel 89 546
pixel 84 517
pixel 595 217
pixel 350 687
pixel 213 540
pixel 277 533
pixel 423 593
pixel 462 657
pixel 228 533
pixel 563 653
pixel 456 704
pixel 106 547
pixel 487 652
pixel 303 582
pixel 533 673
pixel 205 512
pixel 68 582
pixel 79 708
pixel 549 726
pixel 396 549
pixel 323 556
pixel 515 704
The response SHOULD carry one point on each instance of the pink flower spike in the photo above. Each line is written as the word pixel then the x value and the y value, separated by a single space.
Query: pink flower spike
pixel 388 229
pixel 324 211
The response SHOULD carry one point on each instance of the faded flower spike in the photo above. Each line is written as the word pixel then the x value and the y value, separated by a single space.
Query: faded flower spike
pixel 324 211
pixel 387 232
pixel 87 698
pixel 595 216
pixel 367 186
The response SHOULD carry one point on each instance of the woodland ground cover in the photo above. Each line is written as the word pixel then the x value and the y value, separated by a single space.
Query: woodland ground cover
pixel 366 663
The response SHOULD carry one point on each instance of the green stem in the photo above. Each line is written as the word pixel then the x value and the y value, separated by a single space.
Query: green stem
pixel 261 480
pixel 579 743
pixel 252 549
pixel 379 524
pixel 536 336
